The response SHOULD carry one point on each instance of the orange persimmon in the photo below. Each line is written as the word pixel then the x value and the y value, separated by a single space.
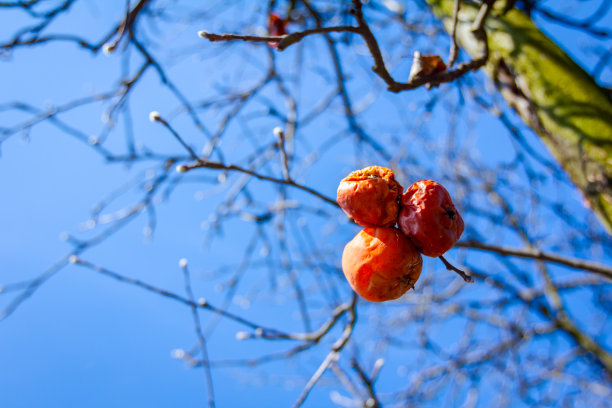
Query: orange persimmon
pixel 370 196
pixel 381 264
pixel 429 218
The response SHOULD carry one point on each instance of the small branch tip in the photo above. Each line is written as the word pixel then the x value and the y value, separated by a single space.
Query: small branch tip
pixel 467 278
pixel 108 49
pixel 242 335
pixel 155 116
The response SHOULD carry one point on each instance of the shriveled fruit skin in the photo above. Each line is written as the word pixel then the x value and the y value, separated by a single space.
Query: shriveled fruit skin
pixel 370 196
pixel 429 218
pixel 381 264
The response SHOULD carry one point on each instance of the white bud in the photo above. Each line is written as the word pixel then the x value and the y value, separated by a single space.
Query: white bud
pixel 202 33
pixel 92 140
pixel 202 302
pixel 181 168
pixel 178 353
pixel 394 6
pixel 108 49
pixel 259 332
pixel 242 335
pixel 248 217
pixel 278 131
pixel 89 224
pixel 147 231
pixel 155 116
pixel 73 259
pixel 183 262
pixel 370 403
pixel 378 364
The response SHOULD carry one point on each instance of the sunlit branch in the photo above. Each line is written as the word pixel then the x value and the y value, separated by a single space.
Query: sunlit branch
pixel 198 330
pixel 532 253
pixel 232 167
pixel 332 356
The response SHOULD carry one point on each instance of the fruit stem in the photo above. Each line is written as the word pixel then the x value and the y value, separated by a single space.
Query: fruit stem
pixel 458 271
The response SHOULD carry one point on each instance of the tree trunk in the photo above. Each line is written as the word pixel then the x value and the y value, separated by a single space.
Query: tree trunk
pixel 554 96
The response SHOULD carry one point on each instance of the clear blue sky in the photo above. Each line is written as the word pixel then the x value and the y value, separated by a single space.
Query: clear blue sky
pixel 84 340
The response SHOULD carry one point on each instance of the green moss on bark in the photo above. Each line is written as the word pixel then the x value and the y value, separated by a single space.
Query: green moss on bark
pixel 553 95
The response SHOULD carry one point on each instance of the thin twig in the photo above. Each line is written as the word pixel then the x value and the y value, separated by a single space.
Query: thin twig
pixel 201 303
pixel 539 255
pixel 201 339
pixel 585 25
pixel 79 248
pixel 454 47
pixel 332 356
pixel 459 272
pixel 430 80
pixel 372 401
pixel 155 116
pixel 232 167
pixel 353 124
pixel 314 336
pixel 280 135
pixel 283 41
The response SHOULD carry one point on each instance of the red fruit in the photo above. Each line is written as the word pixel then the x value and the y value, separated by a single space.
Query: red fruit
pixel 276 26
pixel 429 218
pixel 370 196
pixel 381 264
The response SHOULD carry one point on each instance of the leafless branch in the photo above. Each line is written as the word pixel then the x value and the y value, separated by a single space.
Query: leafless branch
pixel 332 356
pixel 454 48
pixel 540 256
pixel 467 278
pixel 198 329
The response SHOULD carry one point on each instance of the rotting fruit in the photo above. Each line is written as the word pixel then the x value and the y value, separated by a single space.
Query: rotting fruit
pixel 429 218
pixel 381 264
pixel 370 196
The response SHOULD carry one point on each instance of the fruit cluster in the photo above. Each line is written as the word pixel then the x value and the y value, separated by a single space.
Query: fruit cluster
pixel 382 262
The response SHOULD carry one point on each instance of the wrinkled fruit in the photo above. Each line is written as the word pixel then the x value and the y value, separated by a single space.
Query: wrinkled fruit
pixel 381 264
pixel 370 196
pixel 429 218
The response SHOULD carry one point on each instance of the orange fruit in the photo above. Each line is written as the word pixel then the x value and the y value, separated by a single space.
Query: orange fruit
pixel 370 196
pixel 381 264
pixel 429 218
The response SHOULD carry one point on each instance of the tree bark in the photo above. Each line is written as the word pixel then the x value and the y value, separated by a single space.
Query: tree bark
pixel 554 96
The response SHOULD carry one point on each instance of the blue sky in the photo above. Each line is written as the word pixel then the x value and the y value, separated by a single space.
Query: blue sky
pixel 84 340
